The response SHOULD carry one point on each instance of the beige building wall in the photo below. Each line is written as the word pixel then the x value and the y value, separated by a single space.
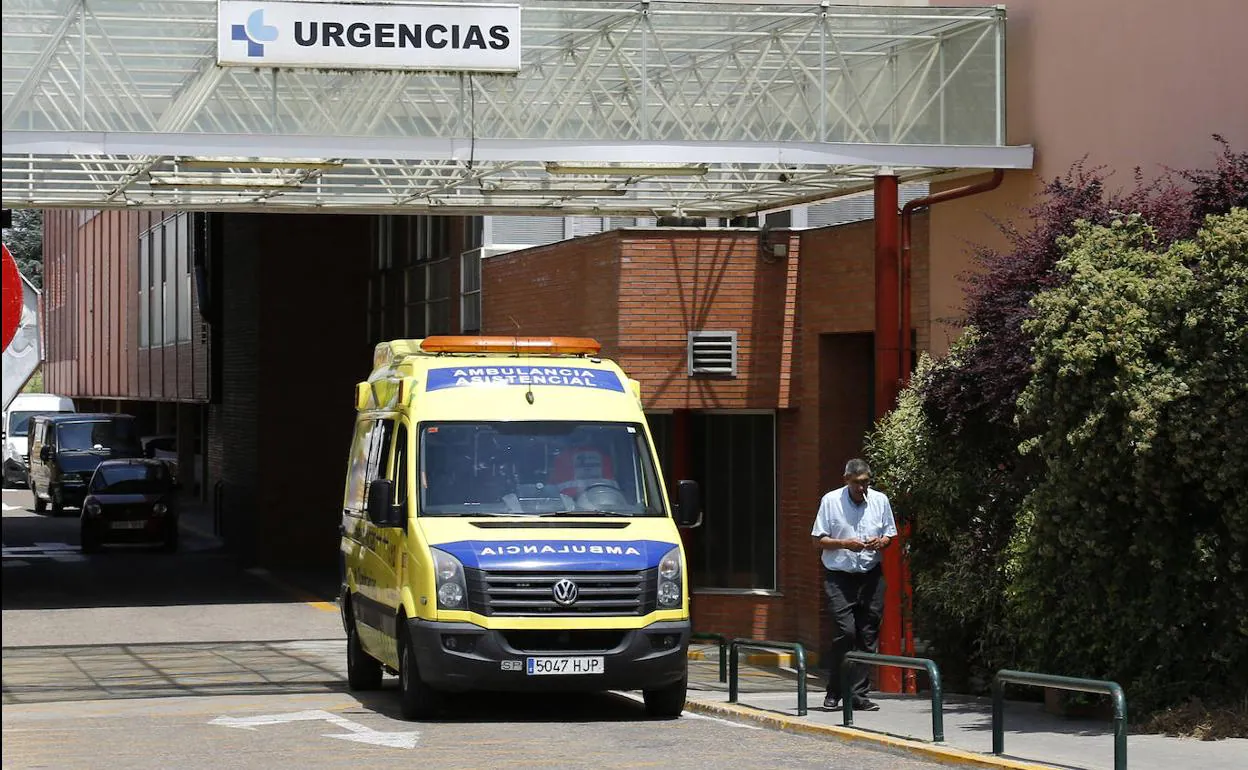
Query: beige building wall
pixel 1125 83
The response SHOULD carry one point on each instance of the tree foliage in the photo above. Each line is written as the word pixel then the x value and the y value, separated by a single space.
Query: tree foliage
pixel 1071 466
pixel 25 242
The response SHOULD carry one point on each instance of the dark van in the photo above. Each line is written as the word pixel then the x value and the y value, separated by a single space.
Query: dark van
pixel 65 450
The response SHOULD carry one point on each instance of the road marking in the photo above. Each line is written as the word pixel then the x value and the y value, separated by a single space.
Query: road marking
pixel 63 552
pixel 355 731
pixel 8 507
pixel 689 714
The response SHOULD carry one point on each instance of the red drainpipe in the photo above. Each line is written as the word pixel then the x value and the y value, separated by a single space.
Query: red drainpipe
pixel 907 212
pixel 905 365
pixel 887 384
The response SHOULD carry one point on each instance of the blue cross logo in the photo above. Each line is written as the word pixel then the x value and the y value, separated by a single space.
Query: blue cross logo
pixel 255 32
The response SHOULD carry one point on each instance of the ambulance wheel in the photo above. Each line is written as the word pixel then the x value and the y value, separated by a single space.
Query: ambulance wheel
pixel 668 702
pixel 363 670
pixel 58 502
pixel 41 505
pixel 417 700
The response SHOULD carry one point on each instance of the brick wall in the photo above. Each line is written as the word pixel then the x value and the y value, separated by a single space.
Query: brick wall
pixel 819 301
pixel 567 288
pixel 233 454
pixel 294 310
pixel 677 281
pixel 91 314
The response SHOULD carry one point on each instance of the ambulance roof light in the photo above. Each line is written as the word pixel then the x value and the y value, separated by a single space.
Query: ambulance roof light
pixel 533 346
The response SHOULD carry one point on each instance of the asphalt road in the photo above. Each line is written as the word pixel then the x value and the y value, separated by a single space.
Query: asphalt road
pixel 139 659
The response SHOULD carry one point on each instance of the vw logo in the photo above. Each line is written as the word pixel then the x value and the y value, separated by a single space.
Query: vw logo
pixel 565 592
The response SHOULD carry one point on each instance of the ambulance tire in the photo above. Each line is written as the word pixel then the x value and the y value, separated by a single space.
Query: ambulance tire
pixel 41 505
pixel 417 700
pixel 363 670
pixel 667 703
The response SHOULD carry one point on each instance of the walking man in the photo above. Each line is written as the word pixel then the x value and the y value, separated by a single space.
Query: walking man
pixel 854 524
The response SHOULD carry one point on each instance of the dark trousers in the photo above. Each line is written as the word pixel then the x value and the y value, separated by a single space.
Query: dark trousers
pixel 856 603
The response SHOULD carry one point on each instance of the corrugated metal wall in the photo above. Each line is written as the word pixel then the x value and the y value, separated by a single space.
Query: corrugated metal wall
pixel 121 314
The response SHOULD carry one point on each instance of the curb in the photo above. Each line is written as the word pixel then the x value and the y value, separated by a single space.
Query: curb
pixel 944 754
pixel 774 659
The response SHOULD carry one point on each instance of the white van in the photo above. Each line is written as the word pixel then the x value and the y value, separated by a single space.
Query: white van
pixel 17 425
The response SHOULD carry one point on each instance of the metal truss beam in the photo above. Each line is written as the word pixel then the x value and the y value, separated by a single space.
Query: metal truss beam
pixel 783 101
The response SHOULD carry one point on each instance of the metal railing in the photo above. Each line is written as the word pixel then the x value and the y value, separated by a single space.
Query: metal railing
pixel 755 644
pixel 933 673
pixel 723 650
pixel 1102 686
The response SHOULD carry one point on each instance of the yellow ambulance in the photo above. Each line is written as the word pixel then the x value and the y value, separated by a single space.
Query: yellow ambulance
pixel 505 526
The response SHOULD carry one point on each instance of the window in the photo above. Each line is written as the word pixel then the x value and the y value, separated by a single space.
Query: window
pixel 734 463
pixel 470 291
pixel 145 292
pixel 182 276
pixel 166 257
pixel 438 297
pixel 378 453
pixel 522 467
pixel 400 467
pixel 353 501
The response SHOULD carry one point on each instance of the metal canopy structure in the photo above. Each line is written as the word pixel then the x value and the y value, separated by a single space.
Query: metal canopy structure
pixel 643 108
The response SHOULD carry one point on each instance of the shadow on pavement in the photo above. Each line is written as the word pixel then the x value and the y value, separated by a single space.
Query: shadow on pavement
pixel 108 671
pixel 44 568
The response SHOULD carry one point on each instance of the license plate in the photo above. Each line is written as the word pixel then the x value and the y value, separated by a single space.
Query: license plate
pixel 128 524
pixel 574 666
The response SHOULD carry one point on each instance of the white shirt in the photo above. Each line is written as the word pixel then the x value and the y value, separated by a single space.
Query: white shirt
pixel 842 519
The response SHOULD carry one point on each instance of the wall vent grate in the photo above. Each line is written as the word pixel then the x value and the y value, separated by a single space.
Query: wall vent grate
pixel 713 354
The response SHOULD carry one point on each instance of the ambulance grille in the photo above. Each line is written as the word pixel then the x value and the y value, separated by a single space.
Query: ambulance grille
pixel 532 593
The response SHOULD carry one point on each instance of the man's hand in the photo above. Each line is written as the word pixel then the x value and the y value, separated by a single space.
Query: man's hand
pixel 878 543
pixel 853 545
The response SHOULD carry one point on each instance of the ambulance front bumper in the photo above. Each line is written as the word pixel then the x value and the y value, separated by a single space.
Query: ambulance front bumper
pixel 457 657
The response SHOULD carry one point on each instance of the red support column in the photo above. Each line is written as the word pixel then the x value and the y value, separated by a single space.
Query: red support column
pixel 887 386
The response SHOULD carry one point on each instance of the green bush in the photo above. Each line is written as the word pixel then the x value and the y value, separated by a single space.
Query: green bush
pixel 1075 469
pixel 961 500
pixel 1133 567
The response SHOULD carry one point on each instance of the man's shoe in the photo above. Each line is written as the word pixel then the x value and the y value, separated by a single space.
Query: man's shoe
pixel 832 702
pixel 865 704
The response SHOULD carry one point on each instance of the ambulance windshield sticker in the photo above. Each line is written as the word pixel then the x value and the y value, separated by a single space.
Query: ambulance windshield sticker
pixel 479 376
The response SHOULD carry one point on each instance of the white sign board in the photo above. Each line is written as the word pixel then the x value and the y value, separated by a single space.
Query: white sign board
pixel 374 36
pixel 22 357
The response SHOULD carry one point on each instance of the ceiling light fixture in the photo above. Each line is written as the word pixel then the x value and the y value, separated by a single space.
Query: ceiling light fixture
pixel 264 164
pixel 555 192
pixel 223 182
pixel 607 169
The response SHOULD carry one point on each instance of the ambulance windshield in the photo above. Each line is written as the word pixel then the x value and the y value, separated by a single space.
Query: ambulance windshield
pixel 537 468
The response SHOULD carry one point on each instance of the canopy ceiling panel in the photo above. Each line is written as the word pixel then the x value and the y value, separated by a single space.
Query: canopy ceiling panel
pixel 664 107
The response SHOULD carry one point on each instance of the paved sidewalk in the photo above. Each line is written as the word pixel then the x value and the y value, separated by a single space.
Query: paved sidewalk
pixel 1032 736
pixel 768 695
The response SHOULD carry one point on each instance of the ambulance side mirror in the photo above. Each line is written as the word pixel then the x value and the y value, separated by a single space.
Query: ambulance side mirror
pixel 689 505
pixel 382 511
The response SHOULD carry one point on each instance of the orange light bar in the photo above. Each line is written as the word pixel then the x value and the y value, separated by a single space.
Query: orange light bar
pixel 547 346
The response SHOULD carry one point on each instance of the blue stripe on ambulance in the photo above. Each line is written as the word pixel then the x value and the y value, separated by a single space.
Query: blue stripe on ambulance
pixel 570 555
pixel 566 376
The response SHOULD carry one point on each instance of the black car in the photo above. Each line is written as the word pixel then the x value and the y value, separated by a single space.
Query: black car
pixel 65 449
pixel 130 501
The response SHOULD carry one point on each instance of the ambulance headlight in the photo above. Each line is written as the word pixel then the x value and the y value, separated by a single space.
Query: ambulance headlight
pixel 452 590
pixel 669 579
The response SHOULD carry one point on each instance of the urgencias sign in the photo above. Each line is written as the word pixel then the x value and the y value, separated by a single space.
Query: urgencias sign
pixel 387 36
